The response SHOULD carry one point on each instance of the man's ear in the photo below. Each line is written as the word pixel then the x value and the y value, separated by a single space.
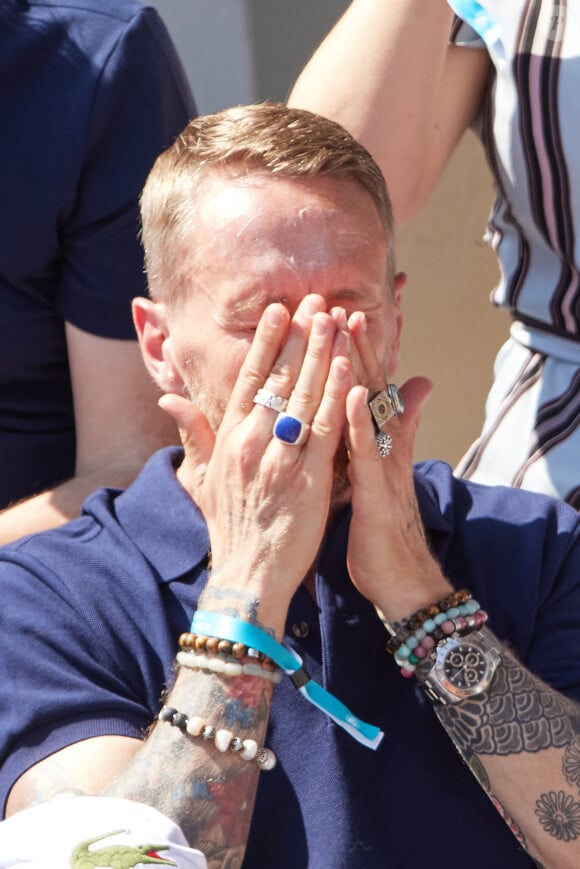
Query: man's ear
pixel 399 284
pixel 150 321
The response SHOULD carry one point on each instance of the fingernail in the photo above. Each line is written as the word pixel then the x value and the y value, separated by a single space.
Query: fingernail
pixel 358 318
pixel 310 305
pixel 274 315
pixel 340 318
pixel 319 324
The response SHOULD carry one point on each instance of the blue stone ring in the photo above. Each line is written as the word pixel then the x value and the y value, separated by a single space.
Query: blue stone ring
pixel 290 430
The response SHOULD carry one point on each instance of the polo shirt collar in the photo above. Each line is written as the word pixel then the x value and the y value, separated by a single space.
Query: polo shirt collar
pixel 434 488
pixel 169 529
pixel 161 519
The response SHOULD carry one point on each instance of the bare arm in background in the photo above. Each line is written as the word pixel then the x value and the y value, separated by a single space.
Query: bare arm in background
pixel 118 426
pixel 387 73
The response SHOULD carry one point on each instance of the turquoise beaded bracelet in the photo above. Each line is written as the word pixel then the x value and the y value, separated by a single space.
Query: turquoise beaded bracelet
pixel 423 642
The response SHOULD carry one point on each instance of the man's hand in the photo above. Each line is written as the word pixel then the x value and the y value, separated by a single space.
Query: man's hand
pixel 266 502
pixel 388 556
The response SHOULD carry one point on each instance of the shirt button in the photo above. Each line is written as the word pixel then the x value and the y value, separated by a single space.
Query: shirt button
pixel 300 630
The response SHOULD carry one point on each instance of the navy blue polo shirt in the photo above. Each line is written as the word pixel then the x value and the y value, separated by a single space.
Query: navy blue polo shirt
pixel 89 622
pixel 91 91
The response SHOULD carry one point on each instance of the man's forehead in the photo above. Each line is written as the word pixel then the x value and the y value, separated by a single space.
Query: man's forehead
pixel 310 222
pixel 247 199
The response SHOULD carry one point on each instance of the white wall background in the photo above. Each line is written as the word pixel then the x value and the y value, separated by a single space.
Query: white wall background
pixel 240 51
pixel 213 41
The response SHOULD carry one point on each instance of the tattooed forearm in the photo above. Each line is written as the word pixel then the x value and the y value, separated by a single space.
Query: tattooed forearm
pixel 521 741
pixel 517 714
pixel 210 794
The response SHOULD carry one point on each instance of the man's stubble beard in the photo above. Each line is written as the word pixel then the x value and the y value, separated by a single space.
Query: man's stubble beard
pixel 213 406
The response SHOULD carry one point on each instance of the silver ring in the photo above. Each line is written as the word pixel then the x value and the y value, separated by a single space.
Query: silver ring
pixel 290 430
pixel 269 399
pixel 385 404
pixel 384 444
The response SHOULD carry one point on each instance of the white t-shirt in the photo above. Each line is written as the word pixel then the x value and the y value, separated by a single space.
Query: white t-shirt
pixel 70 832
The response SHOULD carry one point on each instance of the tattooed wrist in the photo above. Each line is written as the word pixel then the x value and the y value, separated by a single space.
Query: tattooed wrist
pixel 235 603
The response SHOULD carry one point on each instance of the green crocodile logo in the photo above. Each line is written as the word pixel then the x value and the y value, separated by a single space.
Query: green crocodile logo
pixel 116 856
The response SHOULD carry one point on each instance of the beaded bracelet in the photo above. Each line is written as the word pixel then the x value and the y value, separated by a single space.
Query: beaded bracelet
pixel 399 631
pixel 425 640
pixel 229 666
pixel 223 648
pixel 224 740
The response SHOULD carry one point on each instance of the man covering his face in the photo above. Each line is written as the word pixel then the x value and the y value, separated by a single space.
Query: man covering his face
pixel 285 639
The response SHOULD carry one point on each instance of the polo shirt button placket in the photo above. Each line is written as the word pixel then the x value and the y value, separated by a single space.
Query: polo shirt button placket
pixel 300 630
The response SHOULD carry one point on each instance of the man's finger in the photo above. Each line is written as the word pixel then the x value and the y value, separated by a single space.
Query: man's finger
pixel 194 430
pixel 264 350
pixel 415 393
pixel 402 429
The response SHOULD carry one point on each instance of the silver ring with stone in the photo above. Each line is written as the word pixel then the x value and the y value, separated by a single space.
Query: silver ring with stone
pixel 269 399
pixel 386 404
pixel 290 430
pixel 384 444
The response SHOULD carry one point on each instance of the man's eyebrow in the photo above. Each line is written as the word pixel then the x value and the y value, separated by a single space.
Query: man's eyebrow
pixel 344 293
pixel 254 304
pixel 358 296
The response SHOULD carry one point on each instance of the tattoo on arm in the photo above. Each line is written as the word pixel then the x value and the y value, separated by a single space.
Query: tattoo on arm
pixel 557 811
pixel 209 794
pixel 559 815
pixel 248 605
pixel 571 762
pixel 520 715
pixel 517 714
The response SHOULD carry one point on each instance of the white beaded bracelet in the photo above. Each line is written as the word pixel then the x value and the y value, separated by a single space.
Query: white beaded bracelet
pixel 226 666
pixel 224 740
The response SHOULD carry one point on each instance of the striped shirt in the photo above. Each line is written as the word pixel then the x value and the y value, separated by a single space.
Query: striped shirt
pixel 529 127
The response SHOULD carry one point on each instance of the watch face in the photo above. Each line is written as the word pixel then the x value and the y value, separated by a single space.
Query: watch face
pixel 465 666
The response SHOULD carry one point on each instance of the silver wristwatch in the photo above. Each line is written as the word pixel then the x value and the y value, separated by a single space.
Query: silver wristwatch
pixel 463 667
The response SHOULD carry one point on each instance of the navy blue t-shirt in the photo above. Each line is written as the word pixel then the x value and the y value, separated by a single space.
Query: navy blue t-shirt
pixel 90 93
pixel 89 622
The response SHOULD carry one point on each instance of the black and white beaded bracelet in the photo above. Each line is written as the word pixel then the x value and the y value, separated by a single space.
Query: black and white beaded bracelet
pixel 224 740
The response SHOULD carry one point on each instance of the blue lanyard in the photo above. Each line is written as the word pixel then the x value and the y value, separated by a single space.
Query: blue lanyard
pixel 237 631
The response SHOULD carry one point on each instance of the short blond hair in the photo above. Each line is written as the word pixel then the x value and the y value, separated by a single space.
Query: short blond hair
pixel 267 138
